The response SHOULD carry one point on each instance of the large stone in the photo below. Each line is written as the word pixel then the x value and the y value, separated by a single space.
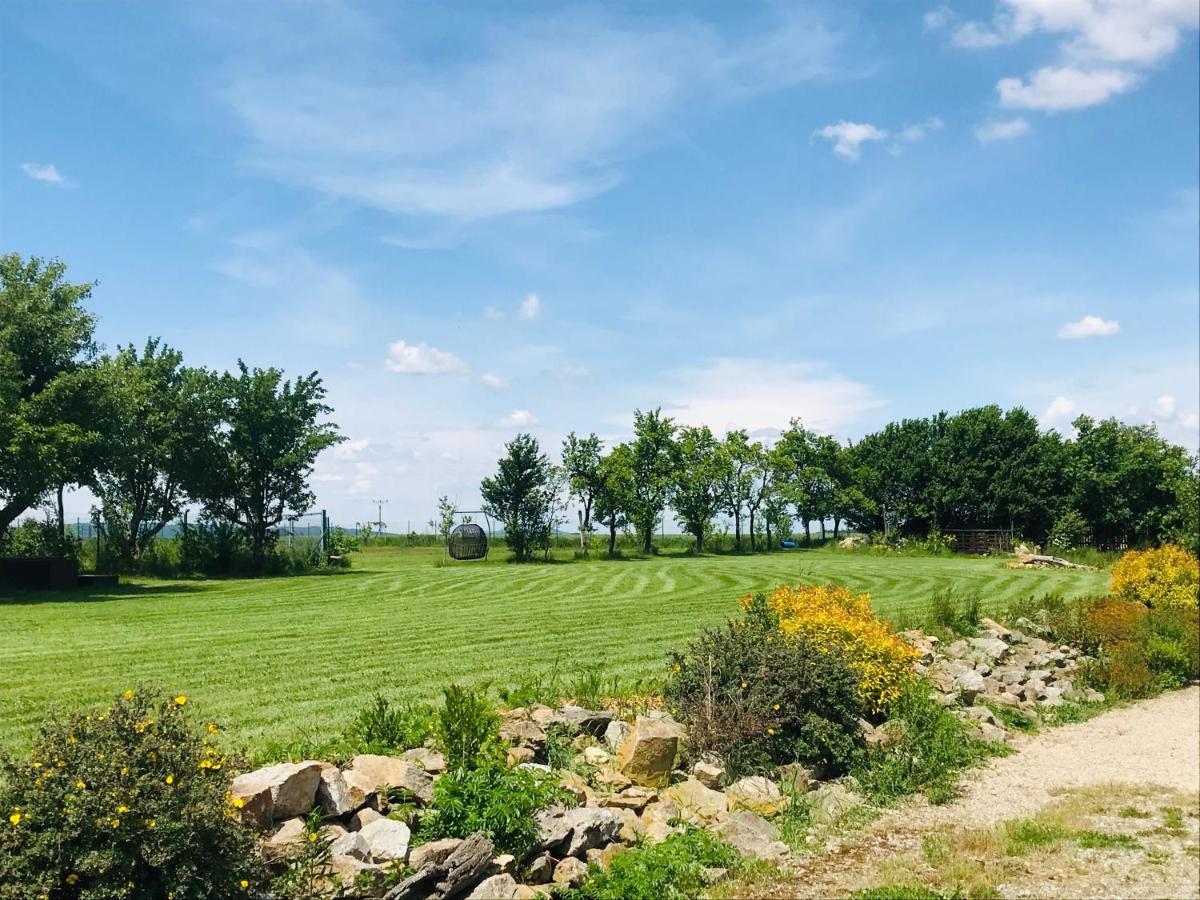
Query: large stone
pixel 349 868
pixel 454 877
pixel 635 798
pixel 540 870
pixel 387 838
pixel 277 792
pixel 758 795
pixel 572 832
pixel 335 798
pixel 596 756
pixel 991 647
pixel 498 887
pixel 369 772
pixel 363 818
pixel 697 804
pixel 632 827
pixel 659 820
pixel 968 681
pixel 592 721
pixel 751 835
pixel 435 852
pixel 522 733
pixel 432 761
pixel 615 733
pixel 545 716
pixel 351 844
pixel 710 773
pixel 648 753
pixel 288 835
pixel 831 803
pixel 796 778
pixel 570 872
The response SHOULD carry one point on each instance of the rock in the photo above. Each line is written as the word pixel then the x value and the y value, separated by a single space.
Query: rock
pixel 968 681
pixel 710 774
pixel 647 754
pixel 387 838
pixel 540 870
pixel 281 791
pixel 503 863
pixel 751 835
pixel 632 829
pixel 335 798
pixel 1010 675
pixel 570 872
pixel 980 714
pixel 922 643
pixel 460 871
pixel 363 818
pixel 522 733
pixel 535 767
pixel 594 756
pixel 697 803
pixel 875 736
pixel 578 788
pixel 333 831
pixel 1006 698
pixel 994 628
pixel 351 844
pixel 592 721
pixel 957 650
pixel 349 868
pixel 1092 696
pixel 992 733
pixel 1053 696
pixel 289 834
pixel 635 798
pixel 373 773
pixel 544 716
pixel 432 761
pixel 498 887
pixel 797 778
pixel 1043 675
pixel 528 892
pixel 615 733
pixel 658 819
pixel 572 832
pixel 520 756
pixel 831 802
pixel 435 852
pixel 611 778
pixel 758 795
pixel 711 875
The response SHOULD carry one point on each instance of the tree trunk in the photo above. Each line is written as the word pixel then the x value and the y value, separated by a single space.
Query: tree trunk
pixel 699 535
pixel 648 539
pixel 769 548
pixel 807 533
pixel 752 547
pixel 258 541
pixel 612 537
pixel 62 524
pixel 836 525
pixel 822 531
pixel 583 541
pixel 737 530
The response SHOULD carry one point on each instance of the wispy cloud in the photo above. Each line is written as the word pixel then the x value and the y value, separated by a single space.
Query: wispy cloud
pixel 848 137
pixel 421 359
pixel 1000 130
pixel 530 308
pixel 1089 327
pixel 47 172
pixel 539 117
pixel 518 418
pixel 1063 87
pixel 495 382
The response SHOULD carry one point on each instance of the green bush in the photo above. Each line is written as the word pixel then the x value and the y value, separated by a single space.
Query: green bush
pixel 39 538
pixel 129 802
pixel 380 726
pixel 468 729
pixel 955 613
pixel 758 698
pixel 928 749
pixel 491 798
pixel 671 869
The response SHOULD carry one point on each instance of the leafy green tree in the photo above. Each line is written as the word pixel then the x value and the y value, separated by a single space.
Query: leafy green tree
pixel 47 432
pixel 256 465
pixel 1181 523
pixel 582 459
pixel 738 478
pixel 157 412
pixel 444 523
pixel 701 478
pixel 615 496
pixel 653 469
pixel 521 495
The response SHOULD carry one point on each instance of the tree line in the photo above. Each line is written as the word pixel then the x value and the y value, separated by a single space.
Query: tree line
pixel 1111 484
pixel 145 433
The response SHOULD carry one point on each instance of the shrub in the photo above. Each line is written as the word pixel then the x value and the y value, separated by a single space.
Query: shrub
pixel 1070 531
pixel 381 726
pixel 491 798
pixel 956 613
pixel 928 747
pixel 1139 650
pixel 129 802
pixel 830 616
pixel 468 729
pixel 671 869
pixel 1168 576
pixel 759 697
pixel 34 538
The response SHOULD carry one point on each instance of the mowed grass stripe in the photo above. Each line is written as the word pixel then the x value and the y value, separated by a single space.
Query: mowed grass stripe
pixel 276 659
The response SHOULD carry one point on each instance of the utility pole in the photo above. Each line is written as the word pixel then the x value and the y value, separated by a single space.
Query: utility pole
pixel 379 521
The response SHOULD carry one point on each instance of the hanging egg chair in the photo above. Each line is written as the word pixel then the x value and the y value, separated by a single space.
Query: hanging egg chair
pixel 468 541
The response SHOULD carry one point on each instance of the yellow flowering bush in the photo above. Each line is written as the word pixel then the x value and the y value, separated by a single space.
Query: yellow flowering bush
pixel 830 616
pixel 1165 577
pixel 126 802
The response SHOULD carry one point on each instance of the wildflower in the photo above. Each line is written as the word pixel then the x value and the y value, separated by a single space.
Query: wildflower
pixel 122 809
pixel 775 707
pixel 72 878
pixel 116 823
pixel 770 731
pixel 151 823
pixel 312 837
pixel 180 700
pixel 15 818
pixel 238 802
pixel 212 728
pixel 245 884
pixel 170 779
pixel 80 785
pixel 124 770
pixel 70 738
pixel 128 695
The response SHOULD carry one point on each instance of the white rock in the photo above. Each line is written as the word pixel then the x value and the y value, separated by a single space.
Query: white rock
pixel 387 838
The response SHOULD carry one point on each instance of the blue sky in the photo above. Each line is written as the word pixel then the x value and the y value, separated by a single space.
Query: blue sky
pixel 478 218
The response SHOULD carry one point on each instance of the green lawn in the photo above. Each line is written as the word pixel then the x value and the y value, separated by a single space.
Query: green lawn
pixel 277 659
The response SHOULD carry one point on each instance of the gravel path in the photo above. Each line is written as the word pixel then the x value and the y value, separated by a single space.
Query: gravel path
pixel 1153 742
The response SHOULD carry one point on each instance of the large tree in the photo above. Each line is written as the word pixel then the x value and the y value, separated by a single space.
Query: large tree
pixel 585 478
pixel 653 466
pixel 615 496
pixel 521 495
pixel 257 464
pixel 699 482
pixel 47 430
pixel 157 414
pixel 738 478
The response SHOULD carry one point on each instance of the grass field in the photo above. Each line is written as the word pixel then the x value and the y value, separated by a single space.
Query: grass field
pixel 280 659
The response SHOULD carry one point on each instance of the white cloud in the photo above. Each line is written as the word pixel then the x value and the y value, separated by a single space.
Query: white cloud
pixel 1000 130
pixel 918 132
pixel 1059 411
pixel 530 308
pixel 493 313
pixel 421 359
pixel 351 449
pixel 536 116
pixel 1164 407
pixel 1058 88
pixel 493 381
pixel 848 137
pixel 1089 327
pixel 730 393
pixel 937 18
pixel 518 418
pixel 47 172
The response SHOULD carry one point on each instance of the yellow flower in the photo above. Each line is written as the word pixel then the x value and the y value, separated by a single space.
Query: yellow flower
pixel 170 779
pixel 770 731
pixel 124 770
pixel 245 884
pixel 128 695
pixel 116 823
pixel 72 878
pixel 151 823
pixel 205 764
pixel 70 738
pixel 79 785
pixel 212 728
pixel 238 802
pixel 180 700
pixel 775 707
pixel 15 818
pixel 312 838
pixel 122 809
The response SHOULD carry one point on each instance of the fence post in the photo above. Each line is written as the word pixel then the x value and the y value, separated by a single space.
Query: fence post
pixel 324 533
